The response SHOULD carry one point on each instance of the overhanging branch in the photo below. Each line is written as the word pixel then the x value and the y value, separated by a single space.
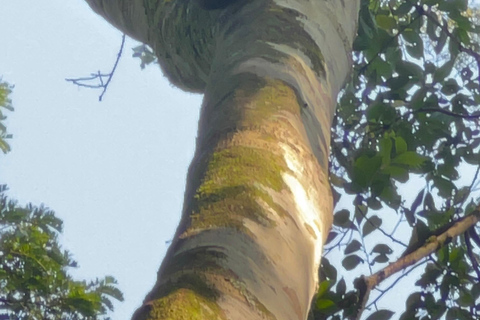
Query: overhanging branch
pixel 431 245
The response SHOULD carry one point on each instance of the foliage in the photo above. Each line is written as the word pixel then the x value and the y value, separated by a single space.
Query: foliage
pixel 145 54
pixel 5 103
pixel 407 125
pixel 34 283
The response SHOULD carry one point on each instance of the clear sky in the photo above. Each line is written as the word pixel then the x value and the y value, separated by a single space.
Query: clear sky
pixel 113 171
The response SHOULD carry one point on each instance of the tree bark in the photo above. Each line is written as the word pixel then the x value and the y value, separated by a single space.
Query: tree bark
pixel 258 205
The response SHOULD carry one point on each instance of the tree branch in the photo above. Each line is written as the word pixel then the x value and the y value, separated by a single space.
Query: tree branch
pixel 449 113
pixel 431 245
pixel 83 82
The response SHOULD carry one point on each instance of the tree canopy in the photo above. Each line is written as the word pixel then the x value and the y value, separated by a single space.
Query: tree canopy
pixel 407 126
pixel 34 279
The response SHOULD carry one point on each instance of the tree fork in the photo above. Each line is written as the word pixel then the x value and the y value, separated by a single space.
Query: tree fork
pixel 257 205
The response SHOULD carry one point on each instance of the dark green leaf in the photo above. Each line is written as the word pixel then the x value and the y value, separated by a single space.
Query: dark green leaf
pixel 342 218
pixel 341 287
pixel 382 248
pixel 409 158
pixel 324 304
pixel 381 315
pixel 381 258
pixel 323 287
pixel 351 262
pixel 371 224
pixel 386 22
pixel 352 247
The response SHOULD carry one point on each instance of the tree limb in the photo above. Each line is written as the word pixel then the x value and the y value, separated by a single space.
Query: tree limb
pixel 431 245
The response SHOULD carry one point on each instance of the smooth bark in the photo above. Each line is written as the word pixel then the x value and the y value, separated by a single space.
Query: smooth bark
pixel 258 205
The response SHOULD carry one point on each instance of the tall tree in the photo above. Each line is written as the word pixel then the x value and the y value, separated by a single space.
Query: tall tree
pixel 258 205
pixel 258 208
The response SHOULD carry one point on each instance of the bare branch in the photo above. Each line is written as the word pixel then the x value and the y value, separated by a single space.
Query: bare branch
pixel 85 81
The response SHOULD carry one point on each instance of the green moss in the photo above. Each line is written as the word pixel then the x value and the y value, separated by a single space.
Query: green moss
pixel 237 165
pixel 185 304
pixel 268 101
pixel 230 190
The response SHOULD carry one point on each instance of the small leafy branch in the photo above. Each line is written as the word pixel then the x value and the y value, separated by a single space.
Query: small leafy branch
pixel 5 103
pixel 34 283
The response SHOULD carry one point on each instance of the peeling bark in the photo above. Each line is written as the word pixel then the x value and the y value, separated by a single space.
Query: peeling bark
pixel 258 205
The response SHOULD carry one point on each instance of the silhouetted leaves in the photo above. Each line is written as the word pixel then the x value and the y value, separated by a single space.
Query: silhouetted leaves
pixel 407 128
pixel 34 283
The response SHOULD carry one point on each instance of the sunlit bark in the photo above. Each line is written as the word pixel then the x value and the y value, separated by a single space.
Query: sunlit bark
pixel 258 205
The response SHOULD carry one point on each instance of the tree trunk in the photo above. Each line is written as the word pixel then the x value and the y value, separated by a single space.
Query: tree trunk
pixel 258 205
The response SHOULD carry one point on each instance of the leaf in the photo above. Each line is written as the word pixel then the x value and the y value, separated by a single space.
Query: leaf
pixel 390 196
pixel 381 315
pixel 374 204
pixel 351 262
pixel 442 40
pixel 445 187
pixel 331 236
pixel 386 22
pixel 365 168
pixel 370 225
pixel 465 299
pixel 450 87
pixel 341 287
pixel 400 145
pixel 415 49
pixel 41 267
pixel 342 218
pixel 323 287
pixel 382 248
pixel 453 5
pixel 404 8
pixel 444 71
pixel 324 304
pixel 409 158
pixel 386 150
pixel 396 83
pixel 397 173
pixel 352 247
pixel 381 258
pixel 328 270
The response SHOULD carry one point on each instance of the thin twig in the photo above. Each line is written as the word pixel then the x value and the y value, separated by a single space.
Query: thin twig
pixel 449 113
pixel 99 76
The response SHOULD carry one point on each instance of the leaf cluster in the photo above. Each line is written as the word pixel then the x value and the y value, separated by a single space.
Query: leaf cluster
pixel 5 104
pixel 34 279
pixel 407 125
pixel 34 283
pixel 145 54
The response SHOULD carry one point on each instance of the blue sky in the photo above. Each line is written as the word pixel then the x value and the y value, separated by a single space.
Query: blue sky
pixel 113 171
